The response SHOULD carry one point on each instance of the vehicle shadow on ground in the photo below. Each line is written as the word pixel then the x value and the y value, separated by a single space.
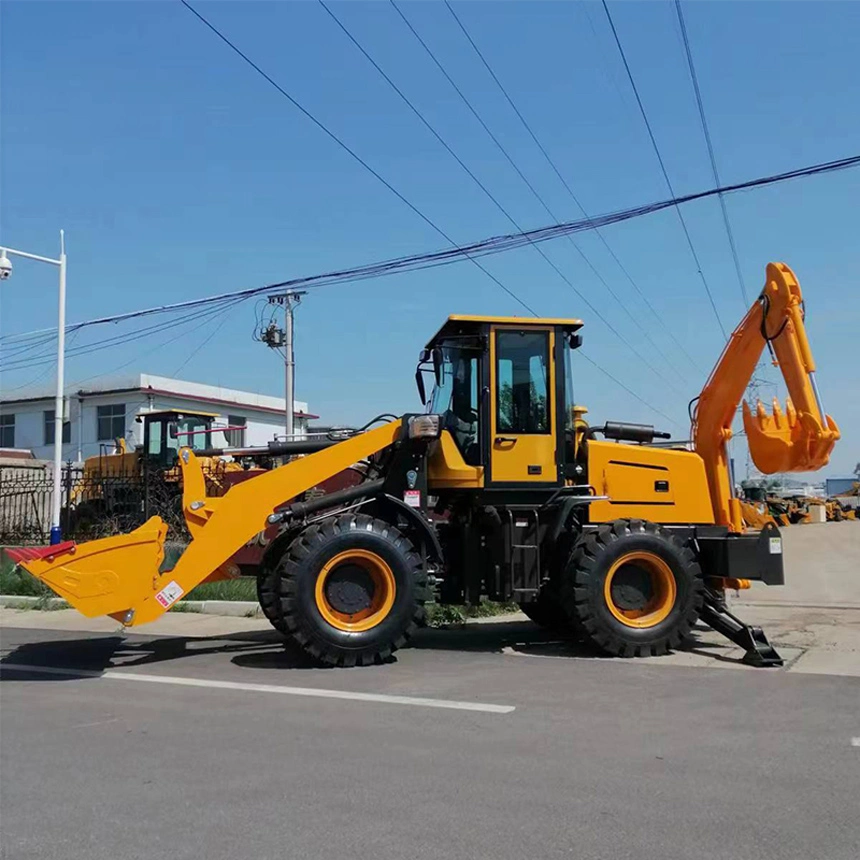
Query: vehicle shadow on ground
pixel 527 638
pixel 267 649
pixel 89 657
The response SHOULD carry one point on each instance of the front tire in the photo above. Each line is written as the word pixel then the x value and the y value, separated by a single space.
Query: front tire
pixel 632 589
pixel 352 590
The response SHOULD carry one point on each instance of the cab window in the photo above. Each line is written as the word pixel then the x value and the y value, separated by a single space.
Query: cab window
pixel 456 399
pixel 522 382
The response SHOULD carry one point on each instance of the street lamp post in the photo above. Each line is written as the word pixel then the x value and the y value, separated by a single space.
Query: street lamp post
pixel 5 271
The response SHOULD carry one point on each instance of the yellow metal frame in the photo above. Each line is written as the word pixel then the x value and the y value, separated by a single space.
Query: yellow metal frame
pixel 446 468
pixel 510 461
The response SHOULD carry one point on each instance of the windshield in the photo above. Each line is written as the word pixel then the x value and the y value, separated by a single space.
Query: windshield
pixel 191 432
pixel 455 397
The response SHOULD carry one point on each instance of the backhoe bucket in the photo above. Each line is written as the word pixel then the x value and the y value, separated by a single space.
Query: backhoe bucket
pixel 788 441
pixel 100 577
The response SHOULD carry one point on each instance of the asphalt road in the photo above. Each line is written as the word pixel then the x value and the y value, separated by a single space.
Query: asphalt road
pixel 119 758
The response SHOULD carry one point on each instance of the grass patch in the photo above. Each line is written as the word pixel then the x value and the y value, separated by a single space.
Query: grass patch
pixel 226 589
pixel 16 580
pixel 441 615
pixel 181 606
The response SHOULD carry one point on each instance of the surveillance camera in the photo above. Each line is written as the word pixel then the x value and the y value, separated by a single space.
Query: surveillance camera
pixel 5 266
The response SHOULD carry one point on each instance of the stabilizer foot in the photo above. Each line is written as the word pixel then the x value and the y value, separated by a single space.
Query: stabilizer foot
pixel 759 651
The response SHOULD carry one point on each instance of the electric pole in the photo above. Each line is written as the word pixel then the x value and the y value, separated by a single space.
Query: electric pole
pixel 276 337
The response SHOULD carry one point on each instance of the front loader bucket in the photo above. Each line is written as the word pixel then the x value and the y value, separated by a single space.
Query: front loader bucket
pixel 788 441
pixel 100 577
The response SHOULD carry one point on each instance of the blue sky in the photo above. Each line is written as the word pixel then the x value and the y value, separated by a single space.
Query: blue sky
pixel 177 172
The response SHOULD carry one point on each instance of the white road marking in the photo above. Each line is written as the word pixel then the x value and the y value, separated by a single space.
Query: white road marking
pixel 855 742
pixel 96 723
pixel 112 675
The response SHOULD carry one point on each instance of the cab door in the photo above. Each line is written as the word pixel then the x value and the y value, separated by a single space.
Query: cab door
pixel 523 412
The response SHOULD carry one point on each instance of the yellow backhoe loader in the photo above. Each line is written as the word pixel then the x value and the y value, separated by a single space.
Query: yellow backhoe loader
pixel 501 488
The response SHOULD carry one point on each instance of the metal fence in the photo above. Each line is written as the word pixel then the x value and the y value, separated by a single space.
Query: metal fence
pixel 95 503
pixel 25 504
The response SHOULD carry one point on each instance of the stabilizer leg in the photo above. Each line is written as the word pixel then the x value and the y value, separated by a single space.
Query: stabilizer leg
pixel 759 652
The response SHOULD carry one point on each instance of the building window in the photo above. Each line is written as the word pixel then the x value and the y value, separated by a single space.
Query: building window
pixel 50 426
pixel 236 438
pixel 7 431
pixel 111 422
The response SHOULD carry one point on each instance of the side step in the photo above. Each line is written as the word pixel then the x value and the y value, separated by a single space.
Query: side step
pixel 759 652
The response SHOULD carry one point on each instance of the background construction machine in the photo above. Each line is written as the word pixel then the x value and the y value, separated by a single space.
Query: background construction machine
pixel 499 488
pixel 116 486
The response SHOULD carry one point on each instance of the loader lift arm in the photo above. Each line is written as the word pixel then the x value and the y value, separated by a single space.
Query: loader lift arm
pixel 797 440
pixel 120 576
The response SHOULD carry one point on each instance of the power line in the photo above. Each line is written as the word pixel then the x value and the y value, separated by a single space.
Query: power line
pixel 531 187
pixel 433 259
pixel 348 149
pixel 711 155
pixel 122 339
pixel 487 192
pixel 663 168
pixel 225 319
pixel 660 319
pixel 162 344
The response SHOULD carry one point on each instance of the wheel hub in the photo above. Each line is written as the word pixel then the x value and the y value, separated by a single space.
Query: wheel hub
pixel 355 590
pixel 631 588
pixel 640 589
pixel 349 589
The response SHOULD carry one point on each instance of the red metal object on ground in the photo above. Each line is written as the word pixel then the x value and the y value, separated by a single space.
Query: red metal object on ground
pixel 30 553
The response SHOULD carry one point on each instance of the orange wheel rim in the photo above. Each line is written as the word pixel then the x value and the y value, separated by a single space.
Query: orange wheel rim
pixel 640 590
pixel 355 590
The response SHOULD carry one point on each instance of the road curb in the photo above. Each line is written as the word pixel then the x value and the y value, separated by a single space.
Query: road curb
pixel 229 608
pixel 234 608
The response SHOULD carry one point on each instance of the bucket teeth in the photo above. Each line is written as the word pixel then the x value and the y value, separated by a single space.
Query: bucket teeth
pixel 789 441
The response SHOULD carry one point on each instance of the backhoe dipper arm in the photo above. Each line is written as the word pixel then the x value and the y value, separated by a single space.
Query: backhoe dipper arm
pixel 798 440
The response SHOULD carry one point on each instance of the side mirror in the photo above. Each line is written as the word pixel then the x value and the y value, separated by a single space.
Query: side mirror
pixel 172 430
pixel 575 340
pixel 438 368
pixel 419 382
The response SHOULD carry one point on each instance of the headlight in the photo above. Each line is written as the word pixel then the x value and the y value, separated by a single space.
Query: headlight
pixel 425 426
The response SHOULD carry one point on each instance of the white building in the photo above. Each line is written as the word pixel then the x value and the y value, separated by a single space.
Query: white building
pixel 106 409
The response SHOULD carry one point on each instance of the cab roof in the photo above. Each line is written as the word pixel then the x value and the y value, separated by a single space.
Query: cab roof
pixel 460 324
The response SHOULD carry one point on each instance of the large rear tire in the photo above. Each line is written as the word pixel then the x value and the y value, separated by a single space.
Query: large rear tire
pixel 632 589
pixel 352 590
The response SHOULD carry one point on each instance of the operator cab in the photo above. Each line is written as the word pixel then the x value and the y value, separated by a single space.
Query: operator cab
pixel 503 387
pixel 166 431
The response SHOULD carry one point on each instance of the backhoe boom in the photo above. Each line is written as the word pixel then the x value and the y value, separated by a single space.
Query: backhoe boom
pixel 798 440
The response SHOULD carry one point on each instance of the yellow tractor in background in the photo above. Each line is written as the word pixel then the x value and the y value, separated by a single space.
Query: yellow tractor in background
pixel 499 488
pixel 117 485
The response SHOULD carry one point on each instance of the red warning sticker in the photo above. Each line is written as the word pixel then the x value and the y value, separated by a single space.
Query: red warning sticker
pixel 169 594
